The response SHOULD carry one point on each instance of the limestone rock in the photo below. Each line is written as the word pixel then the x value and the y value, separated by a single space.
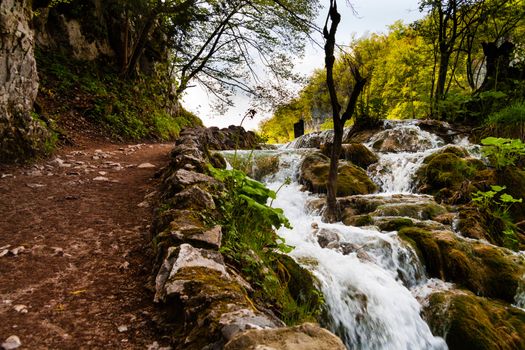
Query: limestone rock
pixel 307 336
pixel 351 179
pixel 21 136
pixel 357 153
pixel 469 322
pixel 11 343
pixel 484 269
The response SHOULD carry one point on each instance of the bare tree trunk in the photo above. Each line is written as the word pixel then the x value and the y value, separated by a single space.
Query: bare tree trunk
pixel 331 213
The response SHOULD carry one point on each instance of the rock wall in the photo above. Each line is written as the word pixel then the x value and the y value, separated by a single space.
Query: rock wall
pixel 21 137
pixel 206 301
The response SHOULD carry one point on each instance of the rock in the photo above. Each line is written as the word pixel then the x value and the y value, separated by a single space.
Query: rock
pixel 469 322
pixel 326 236
pixel 122 328
pixel 194 198
pixel 307 336
pixel 421 211
pixel 357 153
pixel 100 178
pixel 351 179
pixel 408 138
pixel 13 342
pixel 35 185
pixel 451 177
pixel 146 166
pixel 20 308
pixel 358 220
pixel 484 269
pixel 22 135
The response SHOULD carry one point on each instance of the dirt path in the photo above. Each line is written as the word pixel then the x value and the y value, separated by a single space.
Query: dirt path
pixel 73 237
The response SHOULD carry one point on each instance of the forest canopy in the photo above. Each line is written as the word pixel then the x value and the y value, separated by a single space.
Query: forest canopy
pixel 464 61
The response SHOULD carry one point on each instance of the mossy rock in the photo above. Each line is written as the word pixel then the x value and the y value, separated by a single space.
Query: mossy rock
pixel 478 224
pixel 451 176
pixel 357 153
pixel 468 322
pixel 394 224
pixel 351 179
pixel 484 269
pixel 300 283
pixel 358 220
pixel 421 211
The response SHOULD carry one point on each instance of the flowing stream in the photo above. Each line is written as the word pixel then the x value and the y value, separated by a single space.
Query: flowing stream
pixel 371 289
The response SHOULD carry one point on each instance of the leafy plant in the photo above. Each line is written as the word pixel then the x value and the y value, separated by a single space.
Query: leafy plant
pixel 251 243
pixel 498 204
pixel 502 151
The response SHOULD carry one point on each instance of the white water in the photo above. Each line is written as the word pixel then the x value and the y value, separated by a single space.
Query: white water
pixel 367 291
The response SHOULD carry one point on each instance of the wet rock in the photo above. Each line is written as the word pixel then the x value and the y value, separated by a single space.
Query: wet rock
pixel 451 176
pixel 351 179
pixel 307 336
pixel 358 220
pixel 357 153
pixel 404 139
pixel 11 343
pixel 469 322
pixel 421 211
pixel 326 236
pixel 484 269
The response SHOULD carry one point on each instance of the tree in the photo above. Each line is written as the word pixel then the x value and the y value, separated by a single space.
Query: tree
pixel 333 18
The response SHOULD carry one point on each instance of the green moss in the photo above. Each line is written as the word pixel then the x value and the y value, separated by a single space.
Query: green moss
pixel 426 247
pixel 422 211
pixel 396 224
pixel 469 322
pixel 351 179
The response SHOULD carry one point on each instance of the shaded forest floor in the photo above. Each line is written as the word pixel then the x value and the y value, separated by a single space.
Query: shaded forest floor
pixel 73 243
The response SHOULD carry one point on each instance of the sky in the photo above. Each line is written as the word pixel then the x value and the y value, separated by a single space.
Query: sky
pixel 373 16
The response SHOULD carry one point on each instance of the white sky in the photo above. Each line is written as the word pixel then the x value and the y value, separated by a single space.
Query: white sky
pixel 373 16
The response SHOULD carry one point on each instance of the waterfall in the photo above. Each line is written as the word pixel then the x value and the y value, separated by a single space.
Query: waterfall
pixel 367 290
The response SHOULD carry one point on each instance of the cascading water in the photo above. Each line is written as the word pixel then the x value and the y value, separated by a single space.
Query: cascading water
pixel 366 288
pixel 373 283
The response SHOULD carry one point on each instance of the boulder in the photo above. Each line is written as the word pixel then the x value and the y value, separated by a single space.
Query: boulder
pixel 469 322
pixel 421 211
pixel 451 176
pixel 356 153
pixel 484 269
pixel 351 179
pixel 307 336
pixel 408 138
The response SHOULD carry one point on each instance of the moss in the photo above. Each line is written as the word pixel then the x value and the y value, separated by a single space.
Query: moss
pixel 358 220
pixel 357 153
pixel 469 322
pixel 395 224
pixel 351 179
pixel 422 211
pixel 485 270
pixel 514 181
pixel 426 247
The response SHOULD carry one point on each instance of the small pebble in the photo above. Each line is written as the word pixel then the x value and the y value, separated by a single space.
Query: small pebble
pixel 13 342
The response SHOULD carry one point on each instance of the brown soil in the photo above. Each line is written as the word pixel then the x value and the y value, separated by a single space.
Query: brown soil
pixel 83 268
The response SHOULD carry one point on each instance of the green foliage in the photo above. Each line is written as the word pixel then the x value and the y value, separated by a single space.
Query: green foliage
pixel 498 204
pixel 502 152
pixel 251 243
pixel 127 109
pixel 513 114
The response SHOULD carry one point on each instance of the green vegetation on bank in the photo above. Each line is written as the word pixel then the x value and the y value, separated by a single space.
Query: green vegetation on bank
pixel 252 245
pixel 473 72
pixel 126 109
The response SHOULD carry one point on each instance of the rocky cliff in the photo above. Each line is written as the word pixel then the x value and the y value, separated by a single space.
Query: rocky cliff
pixel 21 135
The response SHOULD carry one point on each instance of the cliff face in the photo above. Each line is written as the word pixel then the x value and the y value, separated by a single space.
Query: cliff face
pixel 21 136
